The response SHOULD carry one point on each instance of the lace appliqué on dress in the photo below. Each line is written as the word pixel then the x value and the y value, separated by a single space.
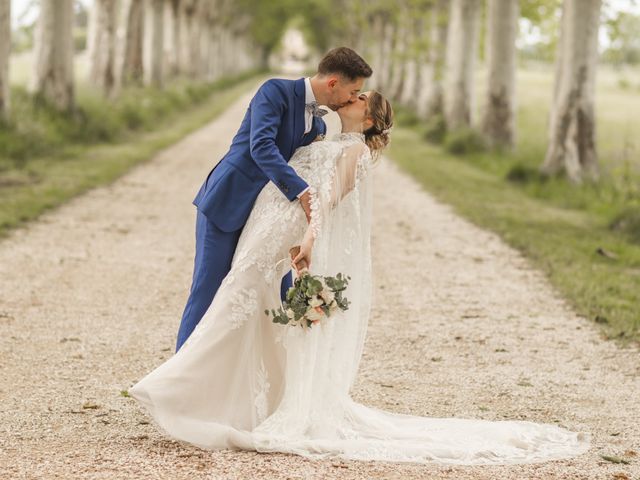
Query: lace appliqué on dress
pixel 243 304
pixel 321 176
pixel 261 401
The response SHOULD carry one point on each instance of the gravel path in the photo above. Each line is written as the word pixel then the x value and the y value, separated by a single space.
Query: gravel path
pixel 91 297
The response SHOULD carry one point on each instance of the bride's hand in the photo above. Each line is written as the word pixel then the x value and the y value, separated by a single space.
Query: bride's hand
pixel 302 265
pixel 302 258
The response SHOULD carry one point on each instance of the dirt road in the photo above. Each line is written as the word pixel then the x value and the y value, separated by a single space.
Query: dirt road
pixel 91 297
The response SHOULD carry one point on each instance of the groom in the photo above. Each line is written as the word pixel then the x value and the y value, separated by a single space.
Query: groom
pixel 282 116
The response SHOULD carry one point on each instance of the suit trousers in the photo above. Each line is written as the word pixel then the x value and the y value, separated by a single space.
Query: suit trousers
pixel 214 253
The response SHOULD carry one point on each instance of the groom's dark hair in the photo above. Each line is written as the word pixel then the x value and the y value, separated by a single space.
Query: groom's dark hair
pixel 346 62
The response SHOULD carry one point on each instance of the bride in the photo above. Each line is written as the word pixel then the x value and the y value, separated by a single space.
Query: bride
pixel 241 381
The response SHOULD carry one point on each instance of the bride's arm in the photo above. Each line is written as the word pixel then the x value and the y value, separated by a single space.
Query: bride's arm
pixel 344 180
pixel 302 259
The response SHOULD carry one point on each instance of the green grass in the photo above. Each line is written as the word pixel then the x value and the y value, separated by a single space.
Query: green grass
pixel 586 238
pixel 47 158
pixel 561 237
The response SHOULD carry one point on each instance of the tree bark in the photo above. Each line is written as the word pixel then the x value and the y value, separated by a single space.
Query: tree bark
pixel 214 52
pixel 129 66
pixel 409 92
pixel 461 53
pixel 189 41
pixel 387 53
pixel 377 32
pixel 226 53
pixel 172 37
pixel 102 44
pixel 53 54
pixel 431 97
pixel 398 58
pixel 572 127
pixel 5 49
pixel 499 116
pixel 153 44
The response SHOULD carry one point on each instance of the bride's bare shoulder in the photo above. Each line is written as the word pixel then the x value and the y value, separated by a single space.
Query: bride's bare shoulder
pixel 357 149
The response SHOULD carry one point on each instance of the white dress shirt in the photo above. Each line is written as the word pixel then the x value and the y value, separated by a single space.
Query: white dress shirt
pixel 308 116
pixel 309 97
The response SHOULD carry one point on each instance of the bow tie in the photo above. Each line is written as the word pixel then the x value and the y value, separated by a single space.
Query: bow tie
pixel 315 110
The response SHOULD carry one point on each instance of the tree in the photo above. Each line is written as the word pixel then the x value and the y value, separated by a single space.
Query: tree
pixel 129 47
pixel 431 94
pixel 384 78
pixel 5 47
pixel 152 47
pixel 399 55
pixel 572 143
pixel 376 32
pixel 499 115
pixel 413 55
pixel 623 31
pixel 172 36
pixel 53 59
pixel 102 44
pixel 540 18
pixel 461 53
pixel 187 25
pixel 269 19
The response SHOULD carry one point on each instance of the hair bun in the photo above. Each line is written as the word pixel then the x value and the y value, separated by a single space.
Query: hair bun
pixel 381 112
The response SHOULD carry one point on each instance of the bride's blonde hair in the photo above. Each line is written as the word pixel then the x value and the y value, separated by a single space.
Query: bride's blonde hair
pixel 377 136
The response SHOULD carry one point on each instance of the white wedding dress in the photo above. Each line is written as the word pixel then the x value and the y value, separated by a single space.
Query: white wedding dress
pixel 241 381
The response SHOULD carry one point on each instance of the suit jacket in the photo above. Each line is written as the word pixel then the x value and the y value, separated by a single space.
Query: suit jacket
pixel 272 129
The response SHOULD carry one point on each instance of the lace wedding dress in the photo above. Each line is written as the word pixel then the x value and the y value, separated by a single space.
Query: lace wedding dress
pixel 243 382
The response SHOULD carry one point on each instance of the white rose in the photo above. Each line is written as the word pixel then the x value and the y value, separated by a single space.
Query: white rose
pixel 327 295
pixel 290 314
pixel 314 314
pixel 316 301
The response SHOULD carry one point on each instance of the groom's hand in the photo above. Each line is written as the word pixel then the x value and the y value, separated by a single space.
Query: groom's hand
pixel 305 201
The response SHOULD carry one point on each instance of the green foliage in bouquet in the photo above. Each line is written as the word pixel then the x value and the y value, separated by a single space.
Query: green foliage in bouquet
pixel 311 299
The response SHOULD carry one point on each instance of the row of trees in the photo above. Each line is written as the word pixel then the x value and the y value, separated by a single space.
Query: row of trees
pixel 425 52
pixel 141 41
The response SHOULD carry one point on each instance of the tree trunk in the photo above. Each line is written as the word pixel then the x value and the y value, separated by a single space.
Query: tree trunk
pixel 129 45
pixel 214 52
pixel 5 48
pixel 461 53
pixel 53 54
pixel 398 59
pixel 209 52
pixel 377 32
pixel 572 129
pixel 172 37
pixel 431 97
pixel 226 54
pixel 153 42
pixel 387 53
pixel 195 46
pixel 499 116
pixel 188 28
pixel 204 41
pixel 410 86
pixel 102 44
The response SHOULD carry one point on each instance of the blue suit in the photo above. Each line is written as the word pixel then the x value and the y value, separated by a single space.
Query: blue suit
pixel 272 129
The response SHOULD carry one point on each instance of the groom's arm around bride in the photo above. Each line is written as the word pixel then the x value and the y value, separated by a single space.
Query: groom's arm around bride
pixel 281 117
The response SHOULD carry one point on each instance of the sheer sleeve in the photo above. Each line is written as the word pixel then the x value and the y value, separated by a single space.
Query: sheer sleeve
pixel 349 168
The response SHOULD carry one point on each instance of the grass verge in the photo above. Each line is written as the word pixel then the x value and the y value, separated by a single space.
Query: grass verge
pixel 596 269
pixel 29 186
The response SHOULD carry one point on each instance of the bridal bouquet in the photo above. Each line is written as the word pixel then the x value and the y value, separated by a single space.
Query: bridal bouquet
pixel 312 299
